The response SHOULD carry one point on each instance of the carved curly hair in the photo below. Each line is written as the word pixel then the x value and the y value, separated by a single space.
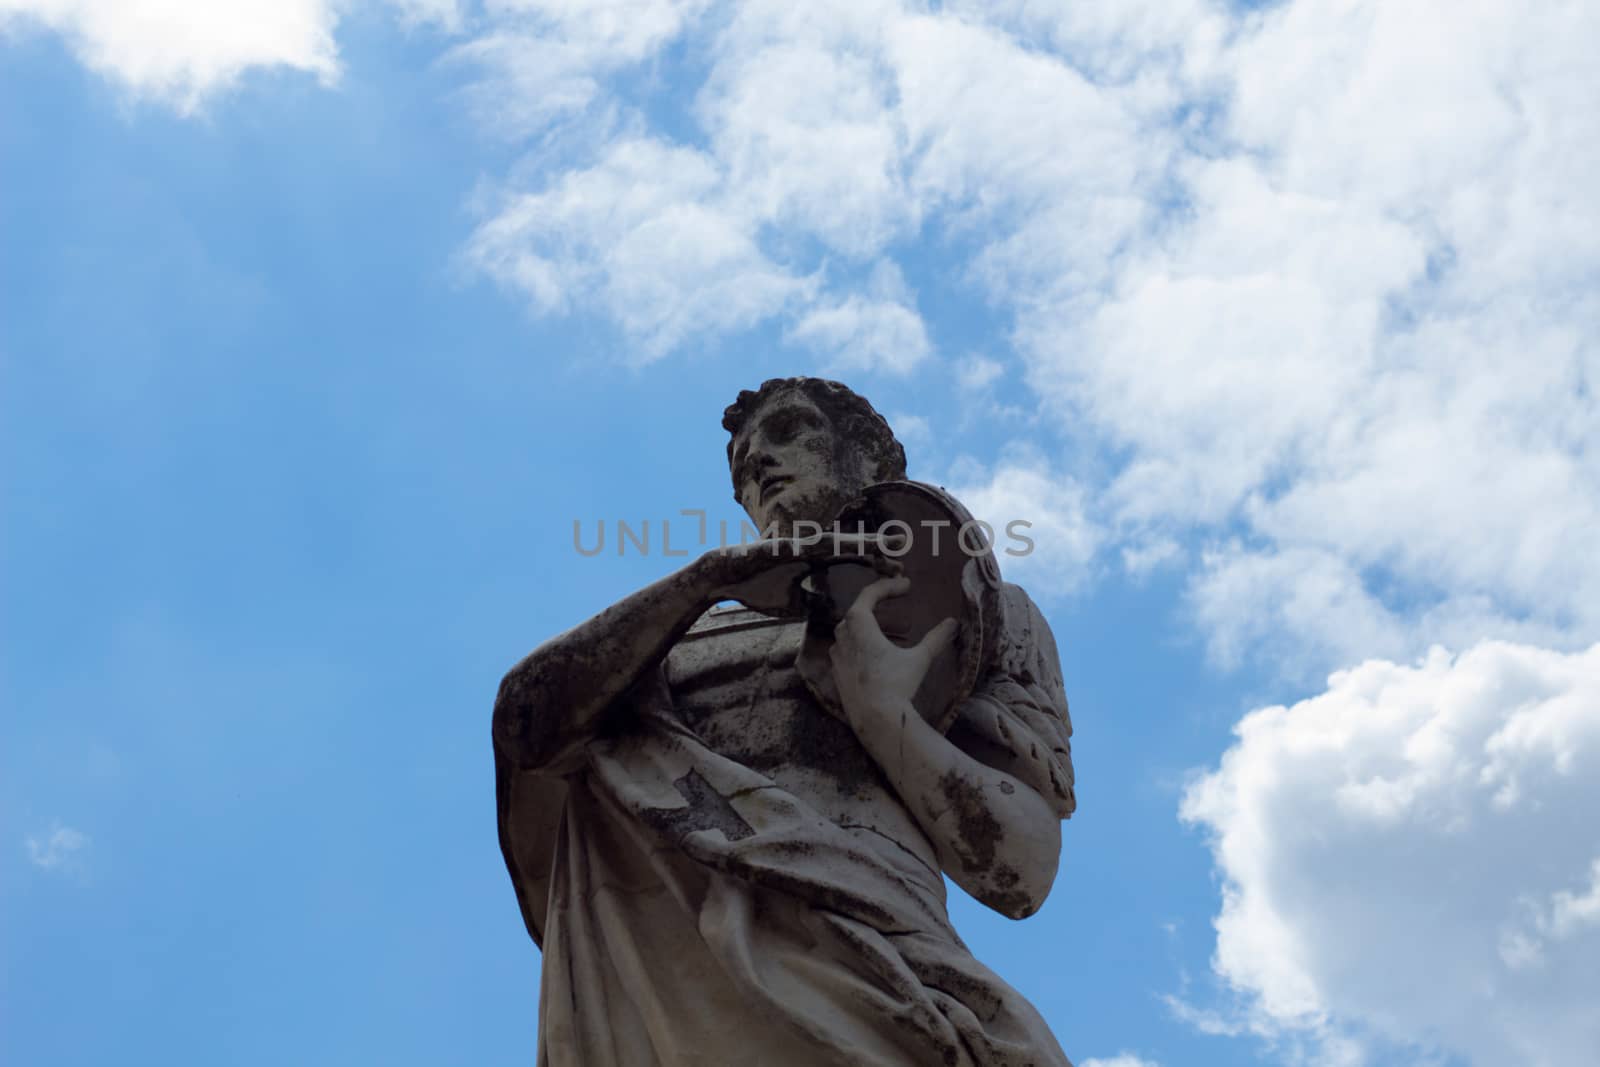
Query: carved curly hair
pixel 855 421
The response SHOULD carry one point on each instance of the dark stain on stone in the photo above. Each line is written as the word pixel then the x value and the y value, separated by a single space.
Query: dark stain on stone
pixel 820 741
pixel 979 831
pixel 1013 905
pixel 1006 898
pixel 707 810
pixel 779 724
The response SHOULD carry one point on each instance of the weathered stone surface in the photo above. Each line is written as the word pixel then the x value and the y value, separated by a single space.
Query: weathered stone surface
pixel 726 826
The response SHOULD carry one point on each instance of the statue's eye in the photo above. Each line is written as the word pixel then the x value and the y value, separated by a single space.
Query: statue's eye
pixel 785 425
pixel 780 428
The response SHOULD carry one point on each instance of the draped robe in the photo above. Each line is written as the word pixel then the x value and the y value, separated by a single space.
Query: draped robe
pixel 720 875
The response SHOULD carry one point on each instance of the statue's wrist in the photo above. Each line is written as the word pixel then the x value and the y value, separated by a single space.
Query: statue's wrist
pixel 869 710
pixel 706 578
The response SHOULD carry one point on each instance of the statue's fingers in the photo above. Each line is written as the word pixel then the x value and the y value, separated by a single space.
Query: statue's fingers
pixel 889 568
pixel 939 638
pixel 868 598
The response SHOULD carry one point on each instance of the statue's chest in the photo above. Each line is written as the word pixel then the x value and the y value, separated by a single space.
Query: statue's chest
pixel 734 683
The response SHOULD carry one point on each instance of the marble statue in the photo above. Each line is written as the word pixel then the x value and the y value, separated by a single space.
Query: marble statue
pixel 729 859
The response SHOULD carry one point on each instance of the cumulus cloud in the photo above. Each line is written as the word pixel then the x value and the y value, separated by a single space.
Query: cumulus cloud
pixel 1408 857
pixel 1125 1059
pixel 60 849
pixel 179 51
pixel 182 52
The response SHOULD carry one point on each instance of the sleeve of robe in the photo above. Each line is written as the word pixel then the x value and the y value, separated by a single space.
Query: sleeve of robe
pixel 1016 720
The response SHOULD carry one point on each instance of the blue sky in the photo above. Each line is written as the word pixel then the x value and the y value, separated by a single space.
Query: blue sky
pixel 323 323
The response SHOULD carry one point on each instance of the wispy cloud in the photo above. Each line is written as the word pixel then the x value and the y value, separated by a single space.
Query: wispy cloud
pixel 643 236
pixel 540 62
pixel 1338 347
pixel 880 330
pixel 1125 1059
pixel 60 848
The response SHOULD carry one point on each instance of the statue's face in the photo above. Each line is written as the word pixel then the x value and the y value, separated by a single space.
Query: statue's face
pixel 789 465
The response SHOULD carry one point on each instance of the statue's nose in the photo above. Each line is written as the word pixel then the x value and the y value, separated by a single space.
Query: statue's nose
pixel 756 463
pixel 759 461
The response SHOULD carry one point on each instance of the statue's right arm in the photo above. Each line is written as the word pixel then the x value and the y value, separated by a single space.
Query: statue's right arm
pixel 560 690
pixel 558 694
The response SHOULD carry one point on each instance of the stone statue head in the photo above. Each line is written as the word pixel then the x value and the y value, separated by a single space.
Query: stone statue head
pixel 801 448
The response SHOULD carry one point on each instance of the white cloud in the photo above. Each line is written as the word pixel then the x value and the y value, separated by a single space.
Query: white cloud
pixel 1410 855
pixel 1322 279
pixel 1141 558
pixel 642 237
pixel 1225 347
pixel 1125 1059
pixel 799 148
pixel 834 134
pixel 857 334
pixel 913 431
pixel 1052 170
pixel 1366 342
pixel 60 849
pixel 445 14
pixel 799 107
pixel 540 61
pixel 183 52
pixel 1055 539
pixel 977 374
pixel 1265 601
pixel 180 51
pixel 1321 273
pixel 878 331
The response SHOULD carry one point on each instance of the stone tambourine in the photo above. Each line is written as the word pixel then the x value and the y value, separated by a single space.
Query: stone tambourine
pixel 950 561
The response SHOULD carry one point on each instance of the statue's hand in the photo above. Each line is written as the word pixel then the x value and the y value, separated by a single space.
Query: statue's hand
pixel 765 575
pixel 872 673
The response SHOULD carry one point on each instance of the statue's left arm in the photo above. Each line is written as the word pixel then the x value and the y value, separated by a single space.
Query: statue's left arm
pixel 994 821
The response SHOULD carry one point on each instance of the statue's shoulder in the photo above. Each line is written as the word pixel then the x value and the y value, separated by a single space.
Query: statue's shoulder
pixel 1020 708
pixel 1025 647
